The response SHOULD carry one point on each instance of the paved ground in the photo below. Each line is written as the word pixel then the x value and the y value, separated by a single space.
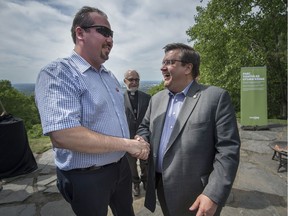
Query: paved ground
pixel 259 190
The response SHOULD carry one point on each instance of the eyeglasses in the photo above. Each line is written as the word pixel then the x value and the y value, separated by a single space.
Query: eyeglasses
pixel 171 62
pixel 131 79
pixel 103 30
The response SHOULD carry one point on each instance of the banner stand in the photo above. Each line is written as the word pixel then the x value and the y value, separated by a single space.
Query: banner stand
pixel 255 128
pixel 254 98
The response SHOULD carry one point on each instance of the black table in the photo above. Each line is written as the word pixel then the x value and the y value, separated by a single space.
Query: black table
pixel 16 157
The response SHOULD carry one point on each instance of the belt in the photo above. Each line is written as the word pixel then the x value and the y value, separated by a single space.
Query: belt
pixel 91 168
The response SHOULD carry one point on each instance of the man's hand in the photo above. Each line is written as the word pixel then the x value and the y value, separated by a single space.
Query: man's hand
pixel 139 148
pixel 204 205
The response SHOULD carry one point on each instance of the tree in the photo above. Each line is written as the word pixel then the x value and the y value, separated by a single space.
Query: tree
pixel 232 34
pixel 153 90
pixel 18 104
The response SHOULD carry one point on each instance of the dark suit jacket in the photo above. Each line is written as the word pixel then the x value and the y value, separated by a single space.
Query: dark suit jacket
pixel 202 155
pixel 134 121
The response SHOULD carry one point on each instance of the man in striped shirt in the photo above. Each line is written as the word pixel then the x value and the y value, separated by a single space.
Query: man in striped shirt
pixel 82 110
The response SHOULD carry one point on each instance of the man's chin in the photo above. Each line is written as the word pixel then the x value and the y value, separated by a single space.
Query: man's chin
pixel 132 89
pixel 166 83
pixel 105 56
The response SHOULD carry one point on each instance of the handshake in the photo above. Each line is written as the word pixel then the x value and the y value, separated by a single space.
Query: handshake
pixel 139 148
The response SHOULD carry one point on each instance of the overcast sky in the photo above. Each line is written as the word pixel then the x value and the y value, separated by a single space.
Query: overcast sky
pixel 34 33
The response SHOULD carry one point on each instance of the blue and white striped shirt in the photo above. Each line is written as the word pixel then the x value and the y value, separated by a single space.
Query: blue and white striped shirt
pixel 70 93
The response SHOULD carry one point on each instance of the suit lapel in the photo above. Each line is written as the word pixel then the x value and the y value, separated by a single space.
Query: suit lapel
pixel 128 104
pixel 188 106
pixel 140 104
pixel 161 108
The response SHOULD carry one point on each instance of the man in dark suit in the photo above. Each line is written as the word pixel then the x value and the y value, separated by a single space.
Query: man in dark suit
pixel 136 103
pixel 194 140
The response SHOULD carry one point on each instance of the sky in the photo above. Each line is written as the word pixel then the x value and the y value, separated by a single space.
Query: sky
pixel 34 33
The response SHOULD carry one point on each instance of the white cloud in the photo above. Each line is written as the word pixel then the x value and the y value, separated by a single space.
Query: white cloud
pixel 36 32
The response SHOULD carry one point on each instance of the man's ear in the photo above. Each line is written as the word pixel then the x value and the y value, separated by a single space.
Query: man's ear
pixel 189 67
pixel 79 33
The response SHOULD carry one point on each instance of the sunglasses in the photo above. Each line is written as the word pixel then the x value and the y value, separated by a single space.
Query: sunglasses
pixel 103 30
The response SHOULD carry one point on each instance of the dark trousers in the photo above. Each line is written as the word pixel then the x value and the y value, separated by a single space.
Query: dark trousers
pixel 162 201
pixel 160 194
pixel 134 169
pixel 90 192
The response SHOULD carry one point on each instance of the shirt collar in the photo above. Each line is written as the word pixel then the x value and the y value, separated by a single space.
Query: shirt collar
pixel 185 90
pixel 82 64
pixel 130 92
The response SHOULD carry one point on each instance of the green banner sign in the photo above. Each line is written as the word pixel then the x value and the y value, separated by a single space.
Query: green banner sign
pixel 253 96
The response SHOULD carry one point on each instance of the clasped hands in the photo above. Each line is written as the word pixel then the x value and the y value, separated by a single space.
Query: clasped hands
pixel 140 148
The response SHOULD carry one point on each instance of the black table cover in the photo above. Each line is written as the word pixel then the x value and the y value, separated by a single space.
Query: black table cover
pixel 16 157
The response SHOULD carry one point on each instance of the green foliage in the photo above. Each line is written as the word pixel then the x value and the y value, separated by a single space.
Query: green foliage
pixel 153 90
pixel 18 104
pixel 234 34
pixel 40 145
pixel 36 131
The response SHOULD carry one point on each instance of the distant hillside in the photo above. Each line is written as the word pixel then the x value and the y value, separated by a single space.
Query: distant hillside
pixel 28 88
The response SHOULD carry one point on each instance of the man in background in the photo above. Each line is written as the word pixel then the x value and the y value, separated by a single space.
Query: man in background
pixel 136 103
